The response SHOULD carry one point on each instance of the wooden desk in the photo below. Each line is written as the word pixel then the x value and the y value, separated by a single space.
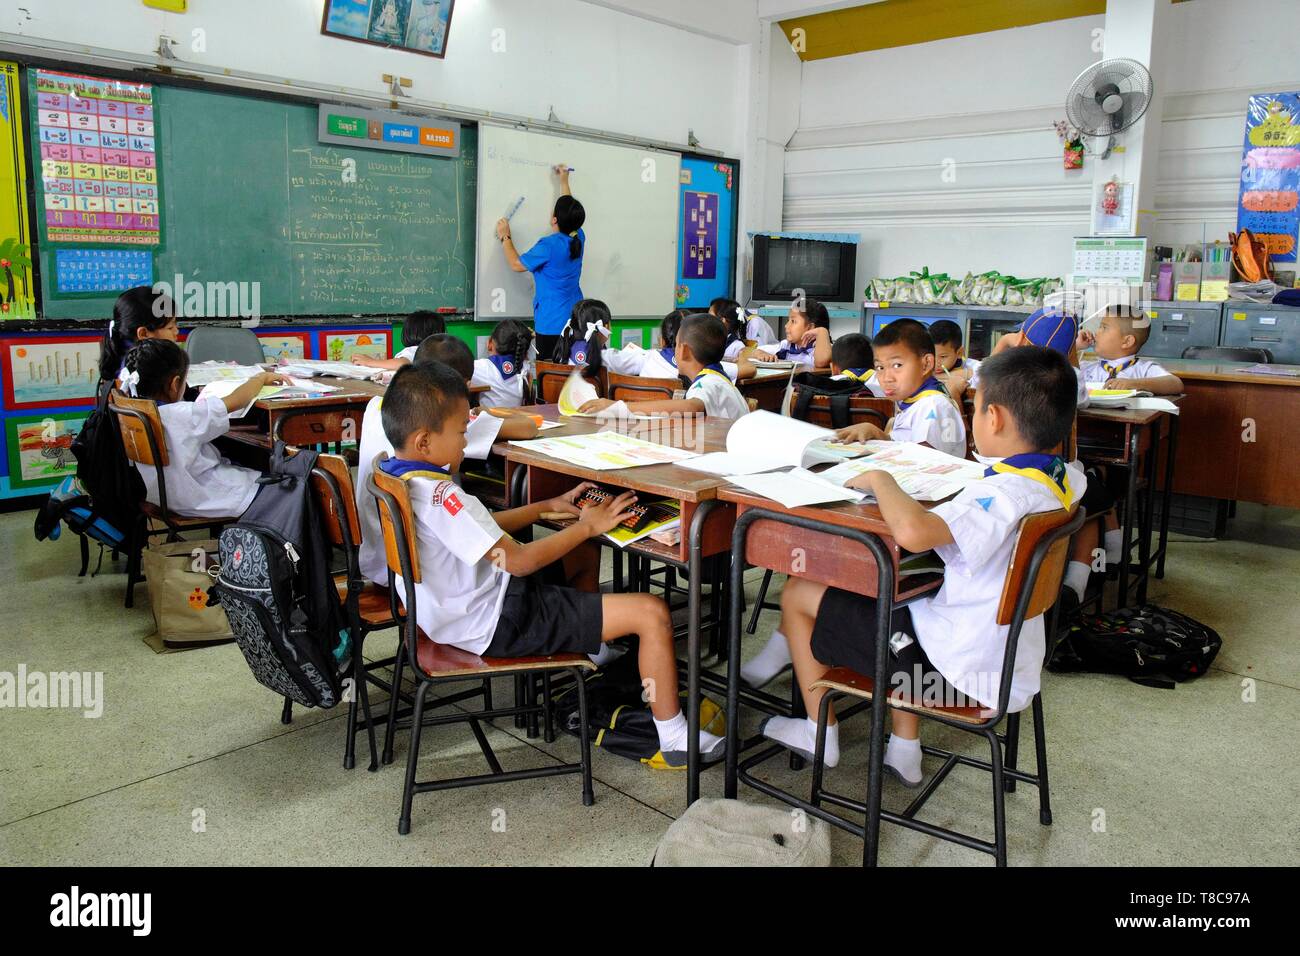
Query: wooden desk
pixel 767 388
pixel 1245 427
pixel 848 546
pixel 706 523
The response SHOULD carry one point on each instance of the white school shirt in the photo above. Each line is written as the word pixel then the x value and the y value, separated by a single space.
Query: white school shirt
pixel 459 597
pixel 654 365
pixel 733 350
pixel 759 331
pixel 503 391
pixel 720 397
pixel 1095 372
pixel 799 354
pixel 933 419
pixel 200 483
pixel 479 438
pixel 408 353
pixel 958 627
pixel 624 361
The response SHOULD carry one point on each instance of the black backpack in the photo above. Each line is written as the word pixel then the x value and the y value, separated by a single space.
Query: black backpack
pixel 107 476
pixel 1150 645
pixel 808 386
pixel 275 584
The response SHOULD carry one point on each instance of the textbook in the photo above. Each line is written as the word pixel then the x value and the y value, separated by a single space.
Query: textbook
pixel 205 373
pixel 307 368
pixel 924 473
pixel 299 389
pixel 1101 398
pixel 606 451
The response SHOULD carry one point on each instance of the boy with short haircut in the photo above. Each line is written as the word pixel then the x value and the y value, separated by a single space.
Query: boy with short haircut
pixel 949 354
pixel 905 366
pixel 949 643
pixel 483 432
pixel 851 360
pixel 1117 341
pixel 488 594
pixel 700 344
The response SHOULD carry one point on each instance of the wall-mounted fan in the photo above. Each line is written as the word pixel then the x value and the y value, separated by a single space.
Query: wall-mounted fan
pixel 1107 98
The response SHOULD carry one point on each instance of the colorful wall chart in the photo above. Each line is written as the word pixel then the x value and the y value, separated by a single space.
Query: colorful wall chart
pixel 93 271
pixel 1270 173
pixel 99 174
pixel 707 264
pixel 17 288
pixel 40 448
pixel 284 348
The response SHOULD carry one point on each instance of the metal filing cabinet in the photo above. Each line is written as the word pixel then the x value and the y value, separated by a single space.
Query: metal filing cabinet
pixel 1179 325
pixel 1274 327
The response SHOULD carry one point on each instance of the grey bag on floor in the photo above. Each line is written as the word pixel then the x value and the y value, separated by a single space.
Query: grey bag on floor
pixel 731 833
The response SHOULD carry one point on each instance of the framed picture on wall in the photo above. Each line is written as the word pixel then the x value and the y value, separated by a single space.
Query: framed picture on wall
pixel 418 26
pixel 49 371
pixel 40 448
pixel 342 346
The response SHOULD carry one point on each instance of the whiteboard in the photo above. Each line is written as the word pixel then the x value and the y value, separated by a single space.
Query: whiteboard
pixel 631 198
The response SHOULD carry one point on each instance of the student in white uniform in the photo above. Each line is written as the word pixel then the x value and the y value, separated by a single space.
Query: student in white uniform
pixel 419 325
pixel 482 432
pixel 752 327
pixel 662 362
pixel 852 360
pixel 138 314
pixel 699 352
pixel 1117 342
pixel 949 643
pixel 585 337
pixel 807 336
pixel 488 594
pixel 505 369
pixel 904 358
pixel 200 483
pixel 955 370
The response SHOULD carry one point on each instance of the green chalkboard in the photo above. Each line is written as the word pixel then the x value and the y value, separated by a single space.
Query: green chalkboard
pixel 250 196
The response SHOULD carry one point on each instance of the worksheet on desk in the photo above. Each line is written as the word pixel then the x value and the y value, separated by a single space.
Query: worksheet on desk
pixel 924 473
pixel 606 451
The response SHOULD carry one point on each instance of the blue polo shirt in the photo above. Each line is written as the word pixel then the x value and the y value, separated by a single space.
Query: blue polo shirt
pixel 555 278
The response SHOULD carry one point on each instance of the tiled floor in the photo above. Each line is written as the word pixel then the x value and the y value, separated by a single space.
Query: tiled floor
pixel 189 763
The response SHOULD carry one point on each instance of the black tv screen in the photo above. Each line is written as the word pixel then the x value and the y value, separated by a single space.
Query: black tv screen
pixel 820 269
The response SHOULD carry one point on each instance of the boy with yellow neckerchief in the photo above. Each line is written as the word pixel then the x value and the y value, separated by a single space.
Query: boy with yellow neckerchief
pixel 949 644
pixel 905 367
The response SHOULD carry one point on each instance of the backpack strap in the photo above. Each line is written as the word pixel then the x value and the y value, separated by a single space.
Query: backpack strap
pixel 840 410
pixel 802 402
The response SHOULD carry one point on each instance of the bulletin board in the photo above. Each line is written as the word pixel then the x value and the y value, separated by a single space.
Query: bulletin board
pixel 17 288
pixel 706 245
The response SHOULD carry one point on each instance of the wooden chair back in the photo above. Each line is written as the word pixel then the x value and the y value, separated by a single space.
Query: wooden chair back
pixel 332 483
pixel 142 430
pixel 551 377
pixel 862 408
pixel 634 388
pixel 1047 585
pixel 397 522
pixel 308 427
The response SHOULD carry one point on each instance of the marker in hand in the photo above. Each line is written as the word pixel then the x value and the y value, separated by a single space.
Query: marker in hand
pixel 515 208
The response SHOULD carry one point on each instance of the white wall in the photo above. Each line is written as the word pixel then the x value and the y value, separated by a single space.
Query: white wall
pixel 876 129
pixel 597 67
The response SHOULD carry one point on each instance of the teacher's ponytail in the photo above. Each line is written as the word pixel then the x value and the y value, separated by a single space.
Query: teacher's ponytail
pixel 569 217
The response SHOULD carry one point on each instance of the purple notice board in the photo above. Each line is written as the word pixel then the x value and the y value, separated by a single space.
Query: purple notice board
pixel 699 235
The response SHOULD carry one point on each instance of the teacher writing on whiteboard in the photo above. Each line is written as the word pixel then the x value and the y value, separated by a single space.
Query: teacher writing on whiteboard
pixel 556 264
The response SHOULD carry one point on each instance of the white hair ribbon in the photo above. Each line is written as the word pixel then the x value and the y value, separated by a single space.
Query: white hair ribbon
pixel 129 382
pixel 596 327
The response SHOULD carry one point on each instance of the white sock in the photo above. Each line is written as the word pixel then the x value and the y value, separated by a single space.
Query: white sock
pixel 673 735
pixel 800 733
pixel 904 756
pixel 1114 545
pixel 607 653
pixel 768 662
pixel 1076 577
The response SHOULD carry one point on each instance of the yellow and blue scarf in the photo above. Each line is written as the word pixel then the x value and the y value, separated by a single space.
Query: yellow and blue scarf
pixel 931 386
pixel 1112 371
pixel 406 469
pixel 1047 470
pixel 714 369
pixel 859 374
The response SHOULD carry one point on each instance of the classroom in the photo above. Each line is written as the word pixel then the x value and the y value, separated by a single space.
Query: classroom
pixel 468 433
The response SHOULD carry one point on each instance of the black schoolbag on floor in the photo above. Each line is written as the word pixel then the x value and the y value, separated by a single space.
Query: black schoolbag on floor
pixel 1151 645
pixel 275 585
pixel 113 484
pixel 838 390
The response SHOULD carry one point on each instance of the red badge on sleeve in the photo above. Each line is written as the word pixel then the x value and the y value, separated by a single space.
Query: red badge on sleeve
pixel 452 505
